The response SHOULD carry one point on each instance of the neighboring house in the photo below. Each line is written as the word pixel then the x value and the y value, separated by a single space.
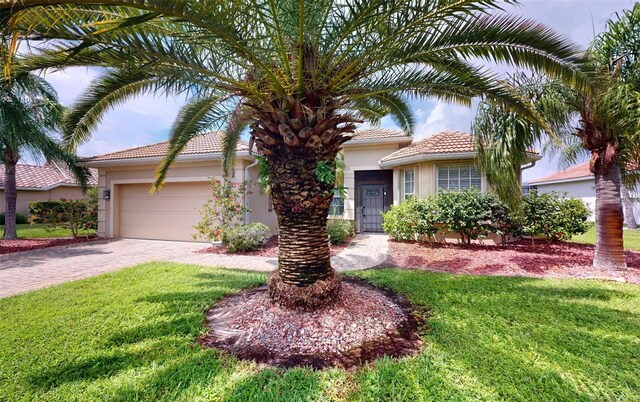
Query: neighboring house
pixel 577 182
pixel 382 167
pixel 43 183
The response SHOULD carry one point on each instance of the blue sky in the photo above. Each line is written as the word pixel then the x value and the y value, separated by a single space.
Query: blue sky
pixel 147 119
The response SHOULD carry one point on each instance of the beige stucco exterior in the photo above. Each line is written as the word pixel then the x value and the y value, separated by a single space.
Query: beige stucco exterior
pixel 170 214
pixel 27 196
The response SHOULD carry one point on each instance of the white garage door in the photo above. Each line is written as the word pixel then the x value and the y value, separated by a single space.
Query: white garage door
pixel 169 214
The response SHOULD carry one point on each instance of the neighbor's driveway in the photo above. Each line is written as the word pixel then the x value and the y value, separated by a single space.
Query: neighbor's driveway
pixel 30 270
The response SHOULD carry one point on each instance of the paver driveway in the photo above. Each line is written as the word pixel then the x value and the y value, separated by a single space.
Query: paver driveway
pixel 29 270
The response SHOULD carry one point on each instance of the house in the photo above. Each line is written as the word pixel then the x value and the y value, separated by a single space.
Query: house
pixel 382 167
pixel 578 182
pixel 43 183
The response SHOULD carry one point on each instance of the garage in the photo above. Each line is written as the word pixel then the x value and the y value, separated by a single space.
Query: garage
pixel 169 214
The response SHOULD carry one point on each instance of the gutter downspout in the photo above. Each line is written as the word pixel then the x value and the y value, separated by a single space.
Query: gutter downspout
pixel 246 190
pixel 529 166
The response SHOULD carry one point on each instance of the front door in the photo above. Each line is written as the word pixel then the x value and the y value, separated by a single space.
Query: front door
pixel 371 207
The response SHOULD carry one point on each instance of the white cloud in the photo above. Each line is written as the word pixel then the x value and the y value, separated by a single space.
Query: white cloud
pixel 444 116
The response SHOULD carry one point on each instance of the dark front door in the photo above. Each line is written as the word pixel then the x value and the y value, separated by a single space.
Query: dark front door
pixel 372 206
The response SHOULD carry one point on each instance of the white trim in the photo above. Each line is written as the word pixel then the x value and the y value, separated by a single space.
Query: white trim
pixel 542 183
pixel 156 159
pixel 362 168
pixel 426 157
pixel 392 140
pixel 113 183
pixel 47 188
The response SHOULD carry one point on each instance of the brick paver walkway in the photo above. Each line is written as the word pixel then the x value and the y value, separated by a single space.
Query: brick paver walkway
pixel 29 270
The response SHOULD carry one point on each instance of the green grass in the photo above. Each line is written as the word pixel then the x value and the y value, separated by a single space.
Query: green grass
pixel 631 238
pixel 27 231
pixel 131 336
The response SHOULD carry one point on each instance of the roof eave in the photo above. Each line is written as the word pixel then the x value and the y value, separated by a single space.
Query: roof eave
pixel 47 188
pixel 375 141
pixel 426 157
pixel 560 181
pixel 157 159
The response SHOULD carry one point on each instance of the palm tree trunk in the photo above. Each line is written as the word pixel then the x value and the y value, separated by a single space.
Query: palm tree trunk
pixel 10 197
pixel 627 203
pixel 609 219
pixel 304 279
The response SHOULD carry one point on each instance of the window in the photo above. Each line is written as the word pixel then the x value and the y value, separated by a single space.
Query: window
pixel 409 183
pixel 459 177
pixel 337 206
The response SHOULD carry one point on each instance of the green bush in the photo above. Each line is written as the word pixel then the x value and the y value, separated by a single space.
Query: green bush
pixel 412 220
pixel 246 237
pixel 554 216
pixel 74 215
pixel 20 219
pixel 339 231
pixel 473 214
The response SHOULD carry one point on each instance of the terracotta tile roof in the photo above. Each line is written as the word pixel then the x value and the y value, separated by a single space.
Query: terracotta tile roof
pixel 378 134
pixel 574 172
pixel 208 143
pixel 46 176
pixel 445 142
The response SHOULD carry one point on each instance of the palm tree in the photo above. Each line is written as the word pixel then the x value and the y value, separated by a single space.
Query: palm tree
pixel 299 74
pixel 29 115
pixel 602 121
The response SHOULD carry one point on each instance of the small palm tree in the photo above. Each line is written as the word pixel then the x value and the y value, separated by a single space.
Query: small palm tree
pixel 601 120
pixel 29 115
pixel 299 74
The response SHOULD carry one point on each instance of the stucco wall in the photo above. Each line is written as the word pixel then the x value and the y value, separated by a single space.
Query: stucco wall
pixel 25 197
pixel 200 172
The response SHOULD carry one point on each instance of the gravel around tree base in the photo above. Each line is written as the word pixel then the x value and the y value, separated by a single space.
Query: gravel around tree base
pixel 366 323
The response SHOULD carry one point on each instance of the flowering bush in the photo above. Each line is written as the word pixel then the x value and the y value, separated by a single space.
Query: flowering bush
pixel 223 211
pixel 75 215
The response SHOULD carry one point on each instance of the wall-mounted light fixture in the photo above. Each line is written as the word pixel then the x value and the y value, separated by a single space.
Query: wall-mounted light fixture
pixel 106 194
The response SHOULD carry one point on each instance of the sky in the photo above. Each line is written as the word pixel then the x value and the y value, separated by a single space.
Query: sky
pixel 147 119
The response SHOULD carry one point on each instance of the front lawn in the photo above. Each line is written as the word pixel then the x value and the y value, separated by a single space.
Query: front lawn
pixel 131 335
pixel 27 231
pixel 631 238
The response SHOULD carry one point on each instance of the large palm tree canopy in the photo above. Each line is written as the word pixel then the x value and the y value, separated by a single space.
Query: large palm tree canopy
pixel 299 73
pixel 242 59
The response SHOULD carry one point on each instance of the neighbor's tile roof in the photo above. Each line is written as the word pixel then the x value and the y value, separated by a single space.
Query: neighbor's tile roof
pixel 378 134
pixel 444 142
pixel 49 175
pixel 574 172
pixel 209 143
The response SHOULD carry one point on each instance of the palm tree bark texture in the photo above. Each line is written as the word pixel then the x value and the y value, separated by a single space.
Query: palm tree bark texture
pixel 10 196
pixel 609 252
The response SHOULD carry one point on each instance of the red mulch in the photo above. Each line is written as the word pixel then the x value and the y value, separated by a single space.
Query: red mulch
pixel 14 246
pixel 561 260
pixel 364 324
pixel 270 249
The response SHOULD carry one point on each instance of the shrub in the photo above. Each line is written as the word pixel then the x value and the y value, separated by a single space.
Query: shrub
pixel 75 215
pixel 223 212
pixel 339 231
pixel 20 219
pixel 473 214
pixel 412 220
pixel 246 237
pixel 553 216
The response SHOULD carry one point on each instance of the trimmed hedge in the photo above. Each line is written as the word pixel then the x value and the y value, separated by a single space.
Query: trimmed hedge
pixel 473 215
pixel 74 215
pixel 246 237
pixel 20 219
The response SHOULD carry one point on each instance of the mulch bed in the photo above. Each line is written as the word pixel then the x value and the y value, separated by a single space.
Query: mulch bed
pixel 14 246
pixel 561 260
pixel 270 249
pixel 366 323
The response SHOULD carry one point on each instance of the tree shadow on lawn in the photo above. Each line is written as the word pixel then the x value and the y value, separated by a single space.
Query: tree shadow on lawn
pixel 519 338
pixel 493 338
